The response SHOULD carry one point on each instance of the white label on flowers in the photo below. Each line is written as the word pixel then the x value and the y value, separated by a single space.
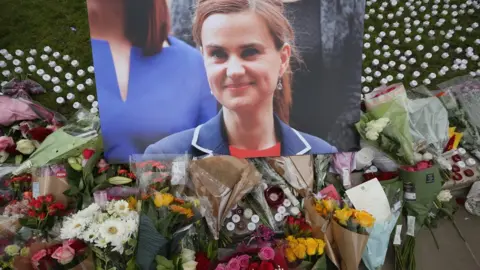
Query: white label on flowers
pixel 411 225
pixel 35 189
pixel 178 172
pixel 410 196
pixel 397 240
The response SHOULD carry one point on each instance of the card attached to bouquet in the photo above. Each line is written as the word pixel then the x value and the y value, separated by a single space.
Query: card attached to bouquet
pixel 371 197
pixel 330 192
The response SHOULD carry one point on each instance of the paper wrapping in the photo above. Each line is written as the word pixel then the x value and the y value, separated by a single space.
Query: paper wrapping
pixel 220 182
pixel 322 229
pixel 25 263
pixel 297 171
pixel 51 180
pixel 350 246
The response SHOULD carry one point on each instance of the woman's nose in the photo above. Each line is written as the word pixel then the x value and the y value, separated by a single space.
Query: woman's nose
pixel 235 68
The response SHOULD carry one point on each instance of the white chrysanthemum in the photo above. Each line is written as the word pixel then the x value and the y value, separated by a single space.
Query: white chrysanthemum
pixel 89 212
pixel 90 234
pixel 73 227
pixel 444 195
pixel 101 243
pixel 113 231
pixel 121 208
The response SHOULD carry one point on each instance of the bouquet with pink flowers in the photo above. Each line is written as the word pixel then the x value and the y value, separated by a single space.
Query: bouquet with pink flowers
pixel 264 258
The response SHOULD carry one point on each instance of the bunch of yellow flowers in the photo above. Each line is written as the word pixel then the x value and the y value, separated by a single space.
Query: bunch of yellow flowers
pixel 360 217
pixel 300 248
pixel 325 206
pixel 163 199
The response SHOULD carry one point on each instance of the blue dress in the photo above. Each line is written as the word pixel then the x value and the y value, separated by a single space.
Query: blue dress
pixel 167 93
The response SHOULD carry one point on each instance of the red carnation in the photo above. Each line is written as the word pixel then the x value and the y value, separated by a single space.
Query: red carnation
pixel 42 216
pixel 39 133
pixel 305 227
pixel 290 220
pixel 37 204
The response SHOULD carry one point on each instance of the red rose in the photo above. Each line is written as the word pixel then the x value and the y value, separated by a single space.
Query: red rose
pixel 290 220
pixel 41 198
pixel 37 204
pixel 49 198
pixel 297 222
pixel 31 213
pixel 253 266
pixel 266 265
pixel 202 260
pixel 305 227
pixel 39 133
pixel 42 216
pixel 88 153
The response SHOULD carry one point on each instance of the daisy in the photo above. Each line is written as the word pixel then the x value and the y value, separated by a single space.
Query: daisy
pixel 121 208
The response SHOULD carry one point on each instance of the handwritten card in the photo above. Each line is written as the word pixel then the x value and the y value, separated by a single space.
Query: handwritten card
pixel 371 197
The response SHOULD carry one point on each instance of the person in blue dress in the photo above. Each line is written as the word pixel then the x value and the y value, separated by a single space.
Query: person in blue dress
pixel 247 46
pixel 149 83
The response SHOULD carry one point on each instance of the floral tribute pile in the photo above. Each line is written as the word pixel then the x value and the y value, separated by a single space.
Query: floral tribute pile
pixel 64 207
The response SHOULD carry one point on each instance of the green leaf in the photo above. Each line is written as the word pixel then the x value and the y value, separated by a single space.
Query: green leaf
pixel 128 252
pixel 113 268
pixel 100 179
pixel 321 264
pixel 131 265
pixel 164 263
pixel 132 242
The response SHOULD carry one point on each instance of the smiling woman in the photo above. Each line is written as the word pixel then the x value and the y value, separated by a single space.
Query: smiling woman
pixel 247 47
pixel 149 84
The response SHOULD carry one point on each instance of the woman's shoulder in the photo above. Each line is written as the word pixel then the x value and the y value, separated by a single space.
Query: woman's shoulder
pixel 318 146
pixel 178 143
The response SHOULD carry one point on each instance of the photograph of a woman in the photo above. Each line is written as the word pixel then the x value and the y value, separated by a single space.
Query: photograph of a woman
pixel 150 84
pixel 248 47
pixel 328 37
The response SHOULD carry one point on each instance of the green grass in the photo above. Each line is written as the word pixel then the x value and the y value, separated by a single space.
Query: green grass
pixel 27 24
pixel 436 62
pixel 34 24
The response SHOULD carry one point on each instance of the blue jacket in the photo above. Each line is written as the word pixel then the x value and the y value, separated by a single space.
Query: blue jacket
pixel 211 139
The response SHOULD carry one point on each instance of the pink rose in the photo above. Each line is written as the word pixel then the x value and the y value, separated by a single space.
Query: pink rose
pixel 233 264
pixel 266 254
pixel 64 254
pixel 37 257
pixel 221 267
pixel 6 142
pixel 244 261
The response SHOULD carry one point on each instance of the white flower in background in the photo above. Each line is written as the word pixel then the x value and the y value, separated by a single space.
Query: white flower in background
pixel 56 55
pixel 89 212
pixel 25 146
pixel 191 265
pixel 3 156
pixel 73 227
pixel 427 156
pixel 100 242
pixel 3 51
pixel 417 157
pixel 90 234
pixel 18 70
pixel 121 208
pixel 113 231
pixel 47 49
pixel 6 73
pixel 444 195
pixel 187 255
pixel 16 62
pixel 9 57
pixel 375 127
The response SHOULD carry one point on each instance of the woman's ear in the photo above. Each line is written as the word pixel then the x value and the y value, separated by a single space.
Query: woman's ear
pixel 285 53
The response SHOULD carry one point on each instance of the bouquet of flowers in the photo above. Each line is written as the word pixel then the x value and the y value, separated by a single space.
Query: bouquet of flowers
pixel 256 258
pixel 19 185
pixel 42 214
pixel 71 254
pixel 167 213
pixel 351 234
pixel 111 232
pixel 7 257
pixel 302 250
pixel 422 183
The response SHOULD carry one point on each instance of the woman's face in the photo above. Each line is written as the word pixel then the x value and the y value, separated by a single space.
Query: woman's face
pixel 243 65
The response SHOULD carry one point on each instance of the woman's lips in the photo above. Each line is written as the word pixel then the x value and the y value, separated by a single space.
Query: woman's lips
pixel 238 87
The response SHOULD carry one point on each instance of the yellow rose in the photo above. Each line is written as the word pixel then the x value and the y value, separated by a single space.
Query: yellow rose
pixel 300 251
pixel 311 246
pixel 301 241
pixel 343 215
pixel 291 239
pixel 364 218
pixel 329 205
pixel 163 199
pixel 290 255
pixel 320 247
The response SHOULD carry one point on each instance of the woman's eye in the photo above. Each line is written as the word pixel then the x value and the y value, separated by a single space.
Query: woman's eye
pixel 249 52
pixel 218 54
